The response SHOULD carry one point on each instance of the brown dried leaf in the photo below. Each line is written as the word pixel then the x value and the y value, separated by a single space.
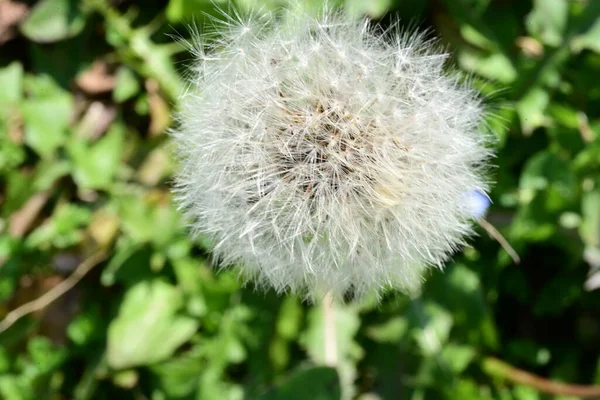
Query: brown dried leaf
pixel 11 13
pixel 20 222
pixel 154 167
pixel 96 79
pixel 96 120
pixel 104 227
pixel 160 116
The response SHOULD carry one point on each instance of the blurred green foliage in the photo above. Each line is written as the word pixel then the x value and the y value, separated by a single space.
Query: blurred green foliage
pixel 86 93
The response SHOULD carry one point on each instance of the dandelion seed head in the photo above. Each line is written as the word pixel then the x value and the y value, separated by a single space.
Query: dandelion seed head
pixel 322 155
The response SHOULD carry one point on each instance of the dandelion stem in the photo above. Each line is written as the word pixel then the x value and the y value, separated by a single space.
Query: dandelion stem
pixel 329 330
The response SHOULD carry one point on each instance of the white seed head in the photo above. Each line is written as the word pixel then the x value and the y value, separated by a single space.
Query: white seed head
pixel 322 155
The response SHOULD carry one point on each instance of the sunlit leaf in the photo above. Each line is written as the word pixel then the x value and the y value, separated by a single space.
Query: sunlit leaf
pixel 52 20
pixel 148 328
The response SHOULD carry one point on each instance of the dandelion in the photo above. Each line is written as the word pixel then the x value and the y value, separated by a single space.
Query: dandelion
pixel 325 156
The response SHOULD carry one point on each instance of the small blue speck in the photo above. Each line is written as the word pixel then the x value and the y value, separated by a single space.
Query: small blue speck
pixel 477 203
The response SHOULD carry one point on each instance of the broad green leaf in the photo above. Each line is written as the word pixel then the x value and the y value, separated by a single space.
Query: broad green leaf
pixel 46 123
pixel 458 357
pixel 126 86
pixel 548 20
pixel 140 218
pixel 44 355
pixel 434 332
pixel 63 229
pixel 279 353
pixel 13 388
pixel 391 331
pixel 531 109
pixel 11 82
pixel 127 379
pixel 459 291
pixel 319 383
pixel 179 377
pixel 589 40
pixel 53 20
pixel 214 386
pixel 179 10
pixel 189 278
pixel 11 154
pixel 473 36
pixel 148 329
pixel 522 392
pixel 87 326
pixel 94 165
pixel 565 115
pixel 550 173
pixel 48 172
pixel 373 9
pixel 156 62
pixel 495 66
pixel 587 161
pixel 289 318
pixel 126 252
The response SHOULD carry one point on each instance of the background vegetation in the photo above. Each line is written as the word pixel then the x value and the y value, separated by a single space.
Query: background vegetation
pixel 86 92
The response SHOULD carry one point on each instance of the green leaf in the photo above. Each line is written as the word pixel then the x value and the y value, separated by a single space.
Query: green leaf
pixel 373 9
pixel 148 329
pixel 289 318
pixel 126 85
pixel 531 109
pixel 550 173
pixel 476 38
pixel 127 255
pixel 140 217
pixel 189 278
pixel 391 331
pixel 44 355
pixel 494 66
pixel 53 20
pixel 179 377
pixel 94 166
pixel 11 154
pixel 458 357
pixel 63 229
pixel 178 10
pixel 548 21
pixel 46 123
pixel 434 333
pixel 319 383
pixel 11 82
pixel 13 388
pixel 589 40
pixel 522 392
pixel 87 326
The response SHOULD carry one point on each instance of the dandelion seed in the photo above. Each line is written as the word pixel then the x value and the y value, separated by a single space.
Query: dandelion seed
pixel 330 157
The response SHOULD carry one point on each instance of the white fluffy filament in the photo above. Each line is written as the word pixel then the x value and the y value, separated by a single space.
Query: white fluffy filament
pixel 322 155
